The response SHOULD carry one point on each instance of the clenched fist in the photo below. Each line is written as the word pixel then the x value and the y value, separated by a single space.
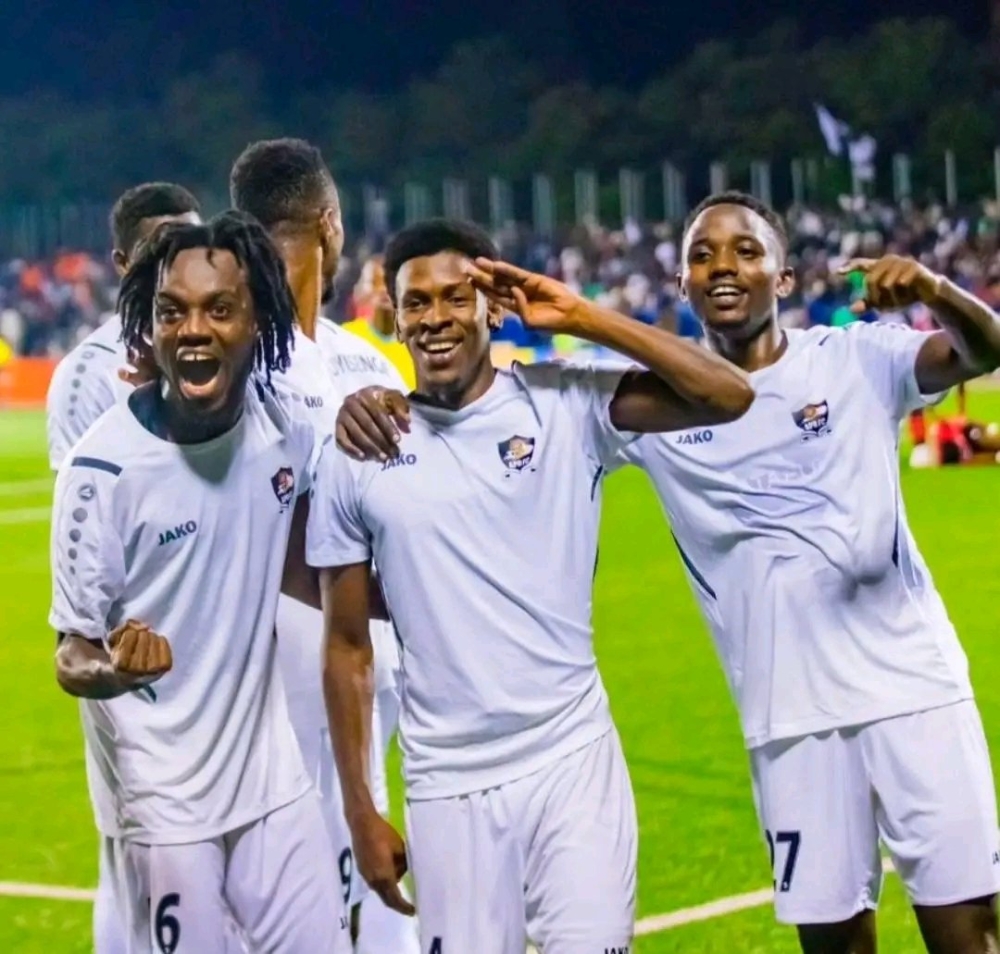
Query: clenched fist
pixel 138 655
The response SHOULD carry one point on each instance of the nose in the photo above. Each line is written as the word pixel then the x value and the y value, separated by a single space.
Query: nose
pixel 723 263
pixel 196 327
pixel 437 315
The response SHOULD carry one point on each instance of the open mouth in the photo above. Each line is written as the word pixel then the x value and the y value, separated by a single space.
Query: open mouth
pixel 197 371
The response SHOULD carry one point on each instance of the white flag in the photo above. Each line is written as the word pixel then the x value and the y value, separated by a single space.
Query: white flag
pixel 862 155
pixel 834 131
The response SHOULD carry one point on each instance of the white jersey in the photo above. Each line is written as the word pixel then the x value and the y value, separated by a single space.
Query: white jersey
pixel 84 385
pixel 484 531
pixel 321 374
pixel 306 384
pixel 792 528
pixel 354 363
pixel 189 539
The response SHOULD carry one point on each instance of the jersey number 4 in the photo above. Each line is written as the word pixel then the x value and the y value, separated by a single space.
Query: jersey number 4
pixel 792 839
pixel 436 947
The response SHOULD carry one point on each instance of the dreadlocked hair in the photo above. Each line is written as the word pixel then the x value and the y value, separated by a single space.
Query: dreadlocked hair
pixel 245 238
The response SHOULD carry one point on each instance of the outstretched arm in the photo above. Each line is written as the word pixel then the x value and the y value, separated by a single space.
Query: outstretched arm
pixel 684 385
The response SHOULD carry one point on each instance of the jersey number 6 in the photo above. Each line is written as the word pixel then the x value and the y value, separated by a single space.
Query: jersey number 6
pixel 167 927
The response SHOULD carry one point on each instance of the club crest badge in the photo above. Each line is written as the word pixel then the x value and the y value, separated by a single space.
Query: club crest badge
pixel 283 485
pixel 813 420
pixel 517 452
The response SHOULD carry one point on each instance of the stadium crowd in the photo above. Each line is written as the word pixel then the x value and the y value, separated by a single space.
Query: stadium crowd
pixel 46 307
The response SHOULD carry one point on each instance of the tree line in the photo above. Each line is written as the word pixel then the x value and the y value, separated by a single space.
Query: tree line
pixel 917 86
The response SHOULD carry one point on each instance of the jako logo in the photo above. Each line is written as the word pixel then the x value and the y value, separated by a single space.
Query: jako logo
pixel 184 530
pixel 313 401
pixel 695 437
pixel 404 460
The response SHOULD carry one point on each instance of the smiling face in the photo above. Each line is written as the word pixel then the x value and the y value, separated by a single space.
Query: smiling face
pixel 445 324
pixel 734 271
pixel 204 330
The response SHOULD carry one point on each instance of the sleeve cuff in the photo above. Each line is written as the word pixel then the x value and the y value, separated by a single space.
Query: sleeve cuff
pixel 326 555
pixel 86 628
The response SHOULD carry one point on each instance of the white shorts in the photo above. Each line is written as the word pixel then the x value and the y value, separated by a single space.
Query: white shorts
pixel 268 877
pixel 921 782
pixel 550 857
pixel 300 639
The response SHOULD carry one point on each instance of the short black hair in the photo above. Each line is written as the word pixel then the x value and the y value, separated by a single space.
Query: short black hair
pixel 735 197
pixel 231 231
pixel 431 237
pixel 150 200
pixel 282 181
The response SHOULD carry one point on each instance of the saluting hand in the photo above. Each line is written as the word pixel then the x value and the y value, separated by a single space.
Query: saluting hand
pixel 541 303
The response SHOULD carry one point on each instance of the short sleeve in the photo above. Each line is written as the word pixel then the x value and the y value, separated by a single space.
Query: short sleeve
pixel 79 393
pixel 888 356
pixel 86 552
pixel 587 389
pixel 336 534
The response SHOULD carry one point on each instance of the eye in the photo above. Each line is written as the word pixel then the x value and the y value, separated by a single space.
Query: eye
pixel 221 310
pixel 748 251
pixel 459 300
pixel 165 311
pixel 700 255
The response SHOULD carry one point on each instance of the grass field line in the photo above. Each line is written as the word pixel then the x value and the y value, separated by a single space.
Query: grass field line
pixel 14 488
pixel 50 892
pixel 25 515
pixel 654 924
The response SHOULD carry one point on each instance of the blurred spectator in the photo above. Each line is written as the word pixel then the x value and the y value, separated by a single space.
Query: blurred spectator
pixel 46 307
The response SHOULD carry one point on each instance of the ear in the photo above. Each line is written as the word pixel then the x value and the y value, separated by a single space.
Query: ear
pixel 120 260
pixel 332 232
pixel 681 286
pixel 786 282
pixel 494 315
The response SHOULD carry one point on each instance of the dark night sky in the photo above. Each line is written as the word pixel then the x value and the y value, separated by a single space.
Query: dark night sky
pixel 93 48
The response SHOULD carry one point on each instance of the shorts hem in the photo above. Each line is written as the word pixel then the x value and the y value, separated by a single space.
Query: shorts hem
pixel 837 917
pixel 959 898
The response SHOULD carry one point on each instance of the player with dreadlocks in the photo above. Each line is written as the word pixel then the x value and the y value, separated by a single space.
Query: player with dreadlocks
pixel 268 333
pixel 170 529
pixel 92 378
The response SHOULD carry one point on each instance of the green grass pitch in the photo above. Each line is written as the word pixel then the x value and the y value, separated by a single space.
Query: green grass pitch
pixel 699 838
